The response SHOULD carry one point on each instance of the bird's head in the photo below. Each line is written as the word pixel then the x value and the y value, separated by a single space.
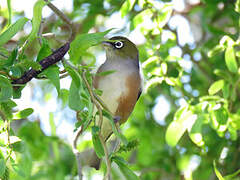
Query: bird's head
pixel 119 47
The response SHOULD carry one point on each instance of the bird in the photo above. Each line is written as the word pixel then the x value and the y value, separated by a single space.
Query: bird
pixel 120 89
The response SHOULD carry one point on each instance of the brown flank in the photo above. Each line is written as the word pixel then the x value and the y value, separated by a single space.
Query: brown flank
pixel 128 100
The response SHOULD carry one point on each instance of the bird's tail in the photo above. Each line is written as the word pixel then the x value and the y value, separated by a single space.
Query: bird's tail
pixel 94 161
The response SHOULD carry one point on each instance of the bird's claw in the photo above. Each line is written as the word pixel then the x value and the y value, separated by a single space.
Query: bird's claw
pixel 116 119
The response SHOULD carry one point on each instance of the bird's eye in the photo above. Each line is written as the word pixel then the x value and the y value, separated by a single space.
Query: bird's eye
pixel 118 44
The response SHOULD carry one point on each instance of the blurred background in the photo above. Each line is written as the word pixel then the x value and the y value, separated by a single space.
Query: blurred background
pixel 188 115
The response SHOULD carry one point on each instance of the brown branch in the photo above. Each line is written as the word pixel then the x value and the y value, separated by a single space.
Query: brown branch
pixel 77 153
pixel 45 63
pixel 96 103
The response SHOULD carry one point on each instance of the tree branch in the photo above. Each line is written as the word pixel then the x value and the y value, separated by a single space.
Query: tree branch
pixel 45 63
pixel 64 18
pixel 77 153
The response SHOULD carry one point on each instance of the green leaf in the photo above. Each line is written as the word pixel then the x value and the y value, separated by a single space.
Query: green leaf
pixel 128 173
pixel 153 81
pixel 96 142
pixel 164 68
pixel 12 30
pixel 195 132
pixel 233 133
pixel 2 167
pixel 126 7
pixel 52 74
pixel 230 59
pixel 105 73
pixel 74 75
pixel 9 12
pixel 36 20
pixel 64 94
pixel 11 59
pixel 225 90
pixel 23 114
pixel 82 42
pixel 164 15
pixel 218 174
pixel 74 100
pixel 233 175
pixel 216 50
pixel 215 87
pixel 28 63
pixel 5 89
pixel 183 119
pixel 139 18
pixel 44 51
pixel 237 6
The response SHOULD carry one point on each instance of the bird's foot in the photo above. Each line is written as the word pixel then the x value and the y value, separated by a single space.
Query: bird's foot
pixel 116 119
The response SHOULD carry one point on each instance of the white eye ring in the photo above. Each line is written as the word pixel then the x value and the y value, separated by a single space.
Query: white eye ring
pixel 118 44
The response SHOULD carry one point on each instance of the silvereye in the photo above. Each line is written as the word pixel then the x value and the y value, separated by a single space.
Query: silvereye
pixel 120 89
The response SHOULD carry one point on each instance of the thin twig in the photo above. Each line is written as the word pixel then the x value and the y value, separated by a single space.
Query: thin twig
pixel 7 121
pixel 64 18
pixel 95 102
pixel 40 33
pixel 64 75
pixel 49 35
pixel 108 162
pixel 77 153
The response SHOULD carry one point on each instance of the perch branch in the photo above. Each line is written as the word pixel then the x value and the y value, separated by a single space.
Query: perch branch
pixel 77 153
pixel 45 63
pixel 95 102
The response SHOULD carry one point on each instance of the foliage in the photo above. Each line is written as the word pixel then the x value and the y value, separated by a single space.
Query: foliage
pixel 199 137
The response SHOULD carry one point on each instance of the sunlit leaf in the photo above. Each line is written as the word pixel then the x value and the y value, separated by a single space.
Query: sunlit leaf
pixel 215 87
pixel 195 133
pixel 126 7
pixel 237 6
pixel 164 15
pixel 183 119
pixel 9 12
pixel 216 50
pixel 231 60
pixel 218 174
pixel 164 68
pixel 139 18
pixel 23 114
pixel 12 30
pixel 2 166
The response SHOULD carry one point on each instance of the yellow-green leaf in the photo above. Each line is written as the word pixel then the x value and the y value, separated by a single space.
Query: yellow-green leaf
pixel 126 7
pixel 12 30
pixel 215 87
pixel 230 59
